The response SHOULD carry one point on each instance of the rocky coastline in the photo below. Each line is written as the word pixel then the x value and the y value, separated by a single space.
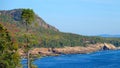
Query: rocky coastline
pixel 69 50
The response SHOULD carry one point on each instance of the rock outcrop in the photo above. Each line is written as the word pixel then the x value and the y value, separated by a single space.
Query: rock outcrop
pixel 88 49
pixel 71 50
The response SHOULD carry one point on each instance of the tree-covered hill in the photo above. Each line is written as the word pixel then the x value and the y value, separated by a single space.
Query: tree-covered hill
pixel 45 35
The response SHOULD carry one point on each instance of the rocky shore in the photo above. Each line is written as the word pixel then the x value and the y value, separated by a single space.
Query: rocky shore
pixel 70 50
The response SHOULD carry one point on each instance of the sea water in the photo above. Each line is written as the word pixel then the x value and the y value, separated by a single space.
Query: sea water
pixel 101 59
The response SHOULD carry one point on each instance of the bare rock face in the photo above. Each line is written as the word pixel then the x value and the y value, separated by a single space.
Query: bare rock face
pixel 110 46
pixel 106 46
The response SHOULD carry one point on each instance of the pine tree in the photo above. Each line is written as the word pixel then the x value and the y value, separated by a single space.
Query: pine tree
pixel 28 18
pixel 9 57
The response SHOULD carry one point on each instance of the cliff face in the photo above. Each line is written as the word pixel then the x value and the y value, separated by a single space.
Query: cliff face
pixel 106 46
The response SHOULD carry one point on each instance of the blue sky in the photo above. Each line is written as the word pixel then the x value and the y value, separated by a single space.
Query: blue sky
pixel 86 17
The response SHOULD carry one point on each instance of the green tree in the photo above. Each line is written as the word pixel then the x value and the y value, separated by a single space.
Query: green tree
pixel 9 57
pixel 27 17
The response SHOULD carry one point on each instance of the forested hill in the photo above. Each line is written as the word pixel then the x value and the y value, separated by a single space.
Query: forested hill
pixel 14 16
pixel 45 35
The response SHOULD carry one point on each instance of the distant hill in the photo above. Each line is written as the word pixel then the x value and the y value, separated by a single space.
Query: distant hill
pixel 109 36
pixel 45 35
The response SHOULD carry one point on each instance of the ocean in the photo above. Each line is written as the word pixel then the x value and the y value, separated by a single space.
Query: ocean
pixel 101 59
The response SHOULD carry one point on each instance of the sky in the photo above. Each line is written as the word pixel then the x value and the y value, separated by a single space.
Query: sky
pixel 86 17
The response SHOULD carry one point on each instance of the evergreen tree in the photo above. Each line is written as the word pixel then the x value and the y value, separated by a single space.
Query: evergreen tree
pixel 28 18
pixel 9 57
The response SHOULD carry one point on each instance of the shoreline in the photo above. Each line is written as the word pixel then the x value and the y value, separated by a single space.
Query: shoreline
pixel 70 54
pixel 42 52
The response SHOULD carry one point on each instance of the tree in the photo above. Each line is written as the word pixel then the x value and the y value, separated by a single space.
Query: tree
pixel 9 57
pixel 27 17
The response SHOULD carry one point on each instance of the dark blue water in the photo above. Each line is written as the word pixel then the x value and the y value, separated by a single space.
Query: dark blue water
pixel 102 59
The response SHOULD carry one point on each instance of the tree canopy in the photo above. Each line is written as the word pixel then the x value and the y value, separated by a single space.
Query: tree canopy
pixel 28 18
pixel 9 57
pixel 28 15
